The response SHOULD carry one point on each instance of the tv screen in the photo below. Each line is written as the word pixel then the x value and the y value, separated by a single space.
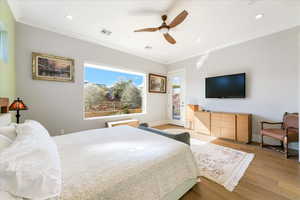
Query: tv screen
pixel 229 86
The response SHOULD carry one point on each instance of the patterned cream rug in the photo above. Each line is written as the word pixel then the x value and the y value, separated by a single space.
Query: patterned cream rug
pixel 223 165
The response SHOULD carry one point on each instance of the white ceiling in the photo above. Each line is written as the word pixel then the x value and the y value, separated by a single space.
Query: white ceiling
pixel 211 24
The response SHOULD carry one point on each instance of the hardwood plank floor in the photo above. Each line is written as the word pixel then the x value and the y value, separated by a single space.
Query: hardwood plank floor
pixel 269 177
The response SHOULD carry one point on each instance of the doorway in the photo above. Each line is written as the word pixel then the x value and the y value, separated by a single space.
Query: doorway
pixel 176 97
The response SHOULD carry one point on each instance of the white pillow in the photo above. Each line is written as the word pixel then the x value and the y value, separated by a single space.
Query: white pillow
pixel 5 119
pixel 30 166
pixel 4 142
pixel 9 131
pixel 38 125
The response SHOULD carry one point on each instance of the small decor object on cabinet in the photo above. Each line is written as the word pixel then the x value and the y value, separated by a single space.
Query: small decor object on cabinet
pixel 52 68
pixel 18 105
pixel 4 103
pixel 157 83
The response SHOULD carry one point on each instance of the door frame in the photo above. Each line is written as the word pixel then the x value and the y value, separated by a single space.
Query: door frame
pixel 169 98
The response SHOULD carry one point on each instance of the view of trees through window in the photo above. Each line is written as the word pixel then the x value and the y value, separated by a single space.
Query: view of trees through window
pixel 110 92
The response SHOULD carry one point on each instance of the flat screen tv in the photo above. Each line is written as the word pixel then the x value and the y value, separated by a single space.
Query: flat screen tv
pixel 229 86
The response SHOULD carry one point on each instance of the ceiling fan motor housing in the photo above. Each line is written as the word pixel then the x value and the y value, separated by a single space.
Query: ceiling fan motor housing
pixel 164 28
pixel 164 17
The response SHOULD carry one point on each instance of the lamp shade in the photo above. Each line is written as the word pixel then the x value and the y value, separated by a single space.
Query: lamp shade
pixel 18 105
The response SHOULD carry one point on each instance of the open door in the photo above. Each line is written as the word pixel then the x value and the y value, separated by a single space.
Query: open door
pixel 176 97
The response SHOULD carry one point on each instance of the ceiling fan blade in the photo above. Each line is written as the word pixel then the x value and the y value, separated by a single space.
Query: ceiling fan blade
pixel 169 38
pixel 147 30
pixel 179 19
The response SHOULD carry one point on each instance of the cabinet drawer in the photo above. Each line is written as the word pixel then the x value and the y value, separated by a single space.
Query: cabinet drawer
pixel 228 117
pixel 228 124
pixel 202 122
pixel 216 123
pixel 228 133
pixel 216 116
pixel 215 131
pixel 243 128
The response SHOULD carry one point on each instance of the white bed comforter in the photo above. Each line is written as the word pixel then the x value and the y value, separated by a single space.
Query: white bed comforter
pixel 122 163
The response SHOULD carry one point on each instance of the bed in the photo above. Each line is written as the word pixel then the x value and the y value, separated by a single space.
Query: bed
pixel 123 163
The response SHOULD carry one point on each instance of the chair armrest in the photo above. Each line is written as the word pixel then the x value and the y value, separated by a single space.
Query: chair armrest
pixel 264 122
pixel 272 123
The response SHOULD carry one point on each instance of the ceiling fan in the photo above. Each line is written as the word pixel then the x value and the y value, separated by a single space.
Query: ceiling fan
pixel 164 28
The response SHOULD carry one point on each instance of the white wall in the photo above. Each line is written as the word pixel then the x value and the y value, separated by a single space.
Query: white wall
pixel 272 73
pixel 60 105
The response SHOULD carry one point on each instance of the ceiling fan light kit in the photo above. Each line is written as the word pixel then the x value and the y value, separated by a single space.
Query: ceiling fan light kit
pixel 165 29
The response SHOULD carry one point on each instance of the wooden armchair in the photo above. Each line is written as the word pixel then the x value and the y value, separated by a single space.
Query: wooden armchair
pixel 288 131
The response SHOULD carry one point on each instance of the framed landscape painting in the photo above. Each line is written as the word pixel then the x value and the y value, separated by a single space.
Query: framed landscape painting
pixel 157 83
pixel 52 68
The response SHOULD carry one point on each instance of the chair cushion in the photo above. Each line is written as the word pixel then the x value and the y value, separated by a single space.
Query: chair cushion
pixel 278 133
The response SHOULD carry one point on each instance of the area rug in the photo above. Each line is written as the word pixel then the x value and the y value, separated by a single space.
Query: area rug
pixel 223 165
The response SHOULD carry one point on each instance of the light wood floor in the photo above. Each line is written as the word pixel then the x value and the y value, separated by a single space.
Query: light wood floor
pixel 269 177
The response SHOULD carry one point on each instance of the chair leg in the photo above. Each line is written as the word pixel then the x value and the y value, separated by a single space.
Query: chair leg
pixel 262 141
pixel 286 147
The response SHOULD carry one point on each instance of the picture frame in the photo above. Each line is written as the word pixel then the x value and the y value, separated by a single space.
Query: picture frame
pixel 157 83
pixel 52 68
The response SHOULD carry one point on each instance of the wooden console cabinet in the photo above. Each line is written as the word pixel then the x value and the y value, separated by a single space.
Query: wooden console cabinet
pixel 233 126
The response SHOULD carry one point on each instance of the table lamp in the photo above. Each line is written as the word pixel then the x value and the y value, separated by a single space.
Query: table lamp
pixel 18 105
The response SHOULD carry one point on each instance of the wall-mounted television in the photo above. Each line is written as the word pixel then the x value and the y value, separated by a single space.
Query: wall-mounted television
pixel 229 86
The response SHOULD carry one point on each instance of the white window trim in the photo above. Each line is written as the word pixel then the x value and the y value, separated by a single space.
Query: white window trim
pixel 117 69
pixel 4 48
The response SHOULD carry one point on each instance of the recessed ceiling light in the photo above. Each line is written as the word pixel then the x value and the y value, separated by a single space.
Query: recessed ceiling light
pixel 69 17
pixel 259 16
pixel 148 47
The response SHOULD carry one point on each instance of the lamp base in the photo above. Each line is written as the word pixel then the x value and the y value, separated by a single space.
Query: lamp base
pixel 18 116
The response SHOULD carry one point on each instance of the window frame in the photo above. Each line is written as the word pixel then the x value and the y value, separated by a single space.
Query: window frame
pixel 122 70
pixel 4 55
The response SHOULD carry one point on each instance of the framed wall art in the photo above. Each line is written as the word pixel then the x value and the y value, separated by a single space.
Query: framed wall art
pixel 52 68
pixel 157 83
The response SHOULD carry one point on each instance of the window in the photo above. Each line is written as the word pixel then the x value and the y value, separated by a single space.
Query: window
pixel 3 44
pixel 112 92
